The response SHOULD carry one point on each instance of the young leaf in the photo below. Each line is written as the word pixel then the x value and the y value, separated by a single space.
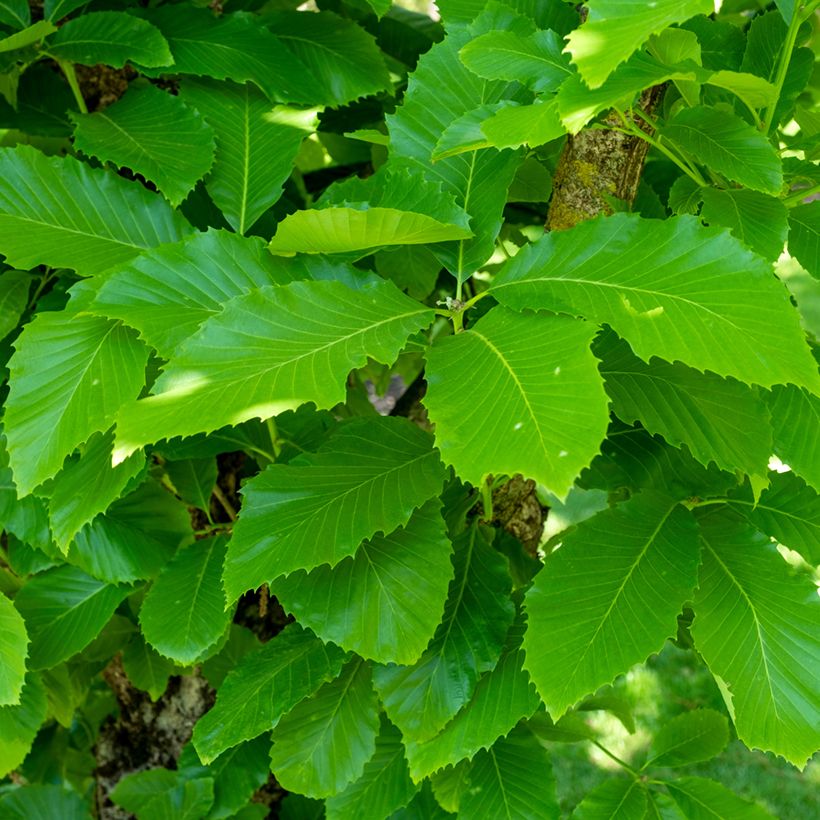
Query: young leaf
pixel 513 778
pixel 794 417
pixel 111 37
pixel 613 30
pixel 184 611
pixel 265 685
pixel 69 216
pixel 757 626
pixel 135 537
pixel 68 377
pixel 719 420
pixel 234 47
pixel 39 800
pixel 13 652
pixel 146 668
pixel 703 799
pixel 804 236
pixel 341 57
pixel 689 738
pixel 151 133
pixel 502 697
pixel 265 354
pixel 726 144
pixel 20 723
pixel 64 610
pixel 164 794
pixel 536 60
pixel 385 601
pixel 420 699
pixel 643 555
pixel 488 385
pixel 621 798
pixel 339 230
pixel 88 485
pixel 788 510
pixel 168 292
pixel 256 144
pixel 672 289
pixel 324 742
pixel 479 179
pixel 384 786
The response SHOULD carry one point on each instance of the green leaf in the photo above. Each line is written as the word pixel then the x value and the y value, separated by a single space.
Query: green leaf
pixel 672 289
pixel 511 779
pixel 787 510
pixel 385 601
pixel 703 799
pixel 14 289
pixel 515 125
pixel 68 377
pixel 168 292
pixel 795 415
pixel 88 485
pixel 339 230
pixel 235 47
pixel 13 653
pixel 643 555
pixel 757 220
pixel 27 37
pixel 622 799
pixel 64 610
pixel 324 742
pixel 19 724
pixel 265 354
pixel 536 60
pixel 340 56
pixel 146 668
pixel 151 133
pixel 265 685
pixel 194 480
pixel 478 179
pixel 39 801
pixel 413 268
pixel 109 37
pixel 57 9
pixel 502 697
pixel 184 611
pixel 15 13
pixel 614 29
pixel 256 144
pixel 719 420
pixel 420 699
pixel 756 626
pixel 64 220
pixel 804 236
pixel 508 382
pixel 384 786
pixel 160 794
pixel 134 538
pixel 726 144
pixel 689 738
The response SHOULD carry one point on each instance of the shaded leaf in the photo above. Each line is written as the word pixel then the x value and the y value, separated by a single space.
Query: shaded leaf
pixel 756 626
pixel 63 220
pixel 621 798
pixel 40 801
pixel 161 794
pixel 804 236
pixel 183 613
pixel 64 610
pixel 146 668
pixel 15 13
pixel 420 699
pixel 256 144
pixel 703 799
pixel 689 738
pixel 385 601
pixel 795 415
pixel 194 480
pixel 643 555
pixel 152 133
pixel 265 685
pixel 265 354
pixel 69 375
pixel 20 723
pixel 324 742
pixel 672 289
pixel 14 289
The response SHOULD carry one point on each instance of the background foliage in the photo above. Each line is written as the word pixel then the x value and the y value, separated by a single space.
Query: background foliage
pixel 293 377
